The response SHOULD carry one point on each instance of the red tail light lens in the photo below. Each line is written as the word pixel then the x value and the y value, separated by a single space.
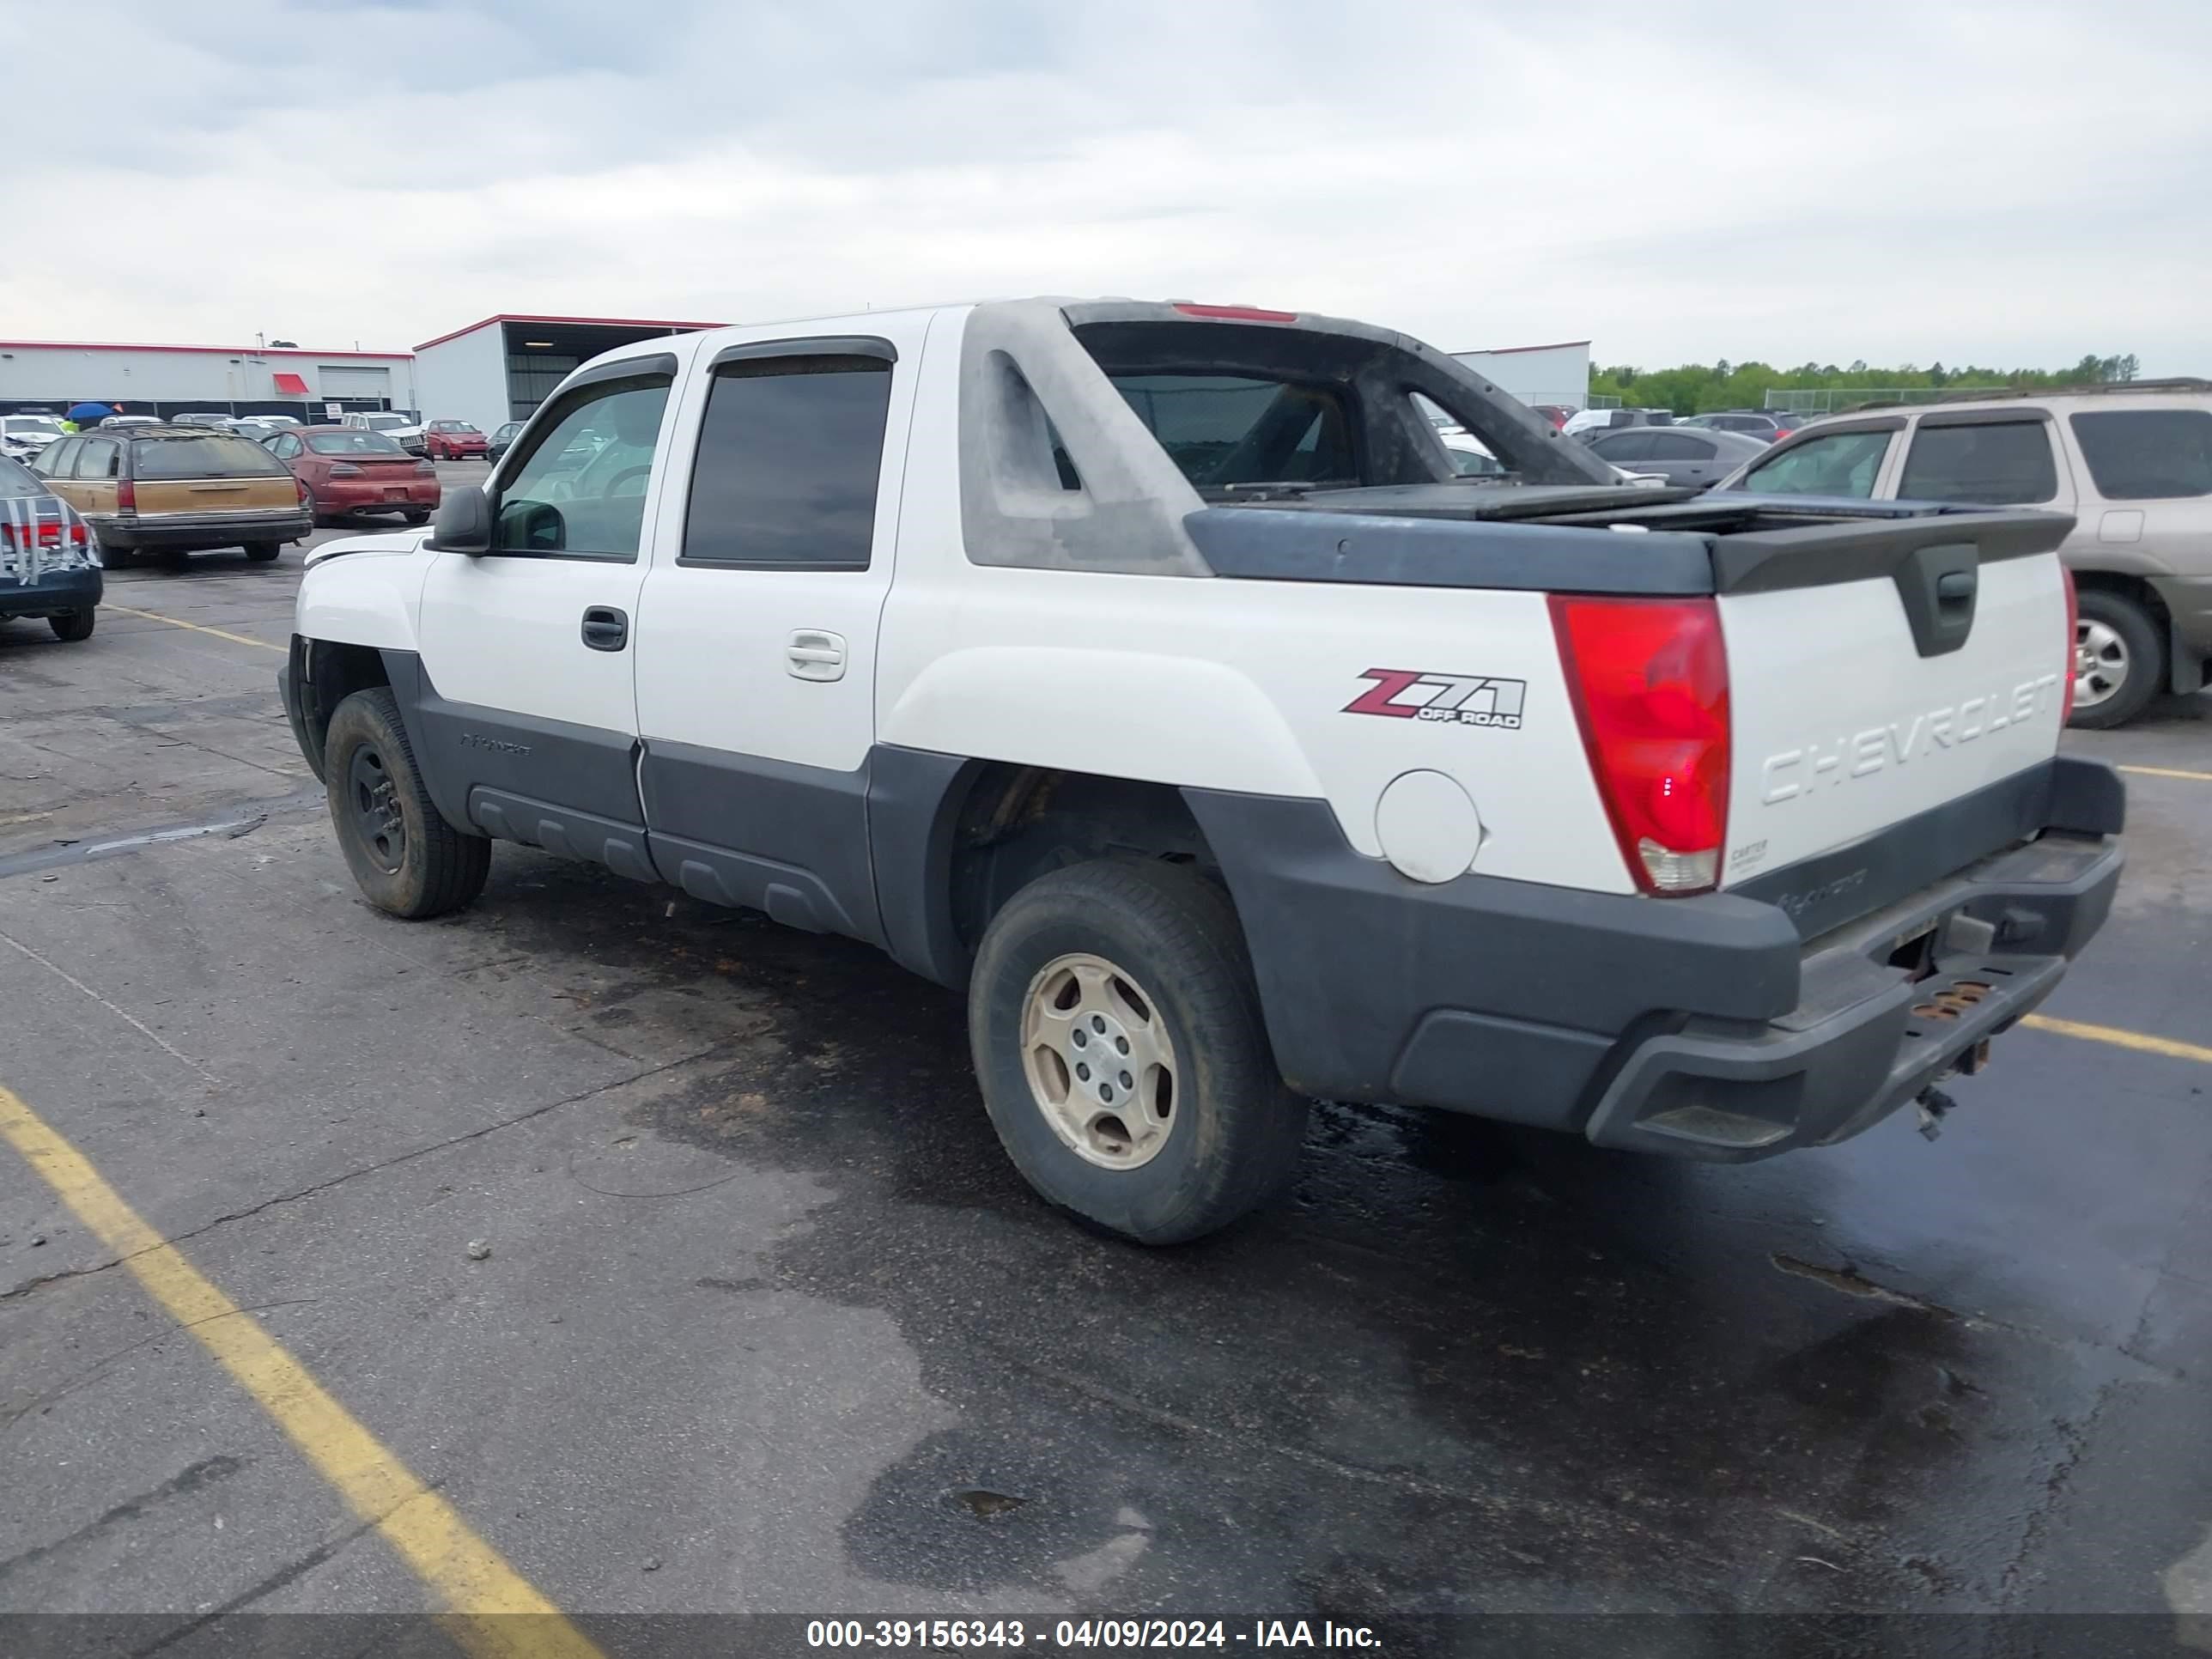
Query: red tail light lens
pixel 299 488
pixel 1649 683
pixel 126 497
pixel 2071 668
pixel 344 469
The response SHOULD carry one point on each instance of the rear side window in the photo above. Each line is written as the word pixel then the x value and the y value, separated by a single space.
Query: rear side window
pixel 1998 464
pixel 1633 445
pixel 17 480
pixel 2147 454
pixel 350 443
pixel 1680 446
pixel 1235 429
pixel 1835 463
pixel 99 457
pixel 57 459
pixel 790 453
pixel 207 457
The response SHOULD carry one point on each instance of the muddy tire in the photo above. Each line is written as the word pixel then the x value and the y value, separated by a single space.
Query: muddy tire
pixel 406 857
pixel 74 626
pixel 2119 659
pixel 1117 1034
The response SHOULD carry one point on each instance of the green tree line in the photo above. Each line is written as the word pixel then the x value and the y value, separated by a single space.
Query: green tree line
pixel 1700 388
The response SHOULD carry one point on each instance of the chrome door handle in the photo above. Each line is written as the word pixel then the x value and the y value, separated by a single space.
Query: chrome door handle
pixel 811 654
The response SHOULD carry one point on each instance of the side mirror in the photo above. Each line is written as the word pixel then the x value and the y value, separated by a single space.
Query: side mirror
pixel 463 522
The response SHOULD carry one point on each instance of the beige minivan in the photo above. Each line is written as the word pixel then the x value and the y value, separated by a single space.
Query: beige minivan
pixel 176 489
pixel 2133 462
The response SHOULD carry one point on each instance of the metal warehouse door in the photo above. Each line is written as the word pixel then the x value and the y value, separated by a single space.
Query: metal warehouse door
pixel 355 382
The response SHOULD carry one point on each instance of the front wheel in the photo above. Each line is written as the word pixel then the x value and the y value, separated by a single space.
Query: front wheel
pixel 2118 661
pixel 1117 1034
pixel 406 857
pixel 72 626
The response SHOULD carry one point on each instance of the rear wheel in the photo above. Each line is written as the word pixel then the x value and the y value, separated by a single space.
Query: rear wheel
pixel 1117 1034
pixel 2118 659
pixel 262 552
pixel 72 626
pixel 406 857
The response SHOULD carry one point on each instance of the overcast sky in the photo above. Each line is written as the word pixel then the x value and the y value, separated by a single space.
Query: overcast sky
pixel 2009 183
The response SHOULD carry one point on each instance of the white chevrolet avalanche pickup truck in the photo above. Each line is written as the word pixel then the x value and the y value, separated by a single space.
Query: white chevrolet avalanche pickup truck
pixel 1147 671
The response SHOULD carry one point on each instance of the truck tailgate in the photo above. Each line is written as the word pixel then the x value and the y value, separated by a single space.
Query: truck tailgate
pixel 1879 672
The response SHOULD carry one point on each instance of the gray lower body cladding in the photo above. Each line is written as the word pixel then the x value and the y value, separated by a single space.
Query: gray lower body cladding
pixel 1704 1027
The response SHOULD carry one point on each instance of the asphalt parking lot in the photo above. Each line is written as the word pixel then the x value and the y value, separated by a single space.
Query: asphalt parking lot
pixel 672 1252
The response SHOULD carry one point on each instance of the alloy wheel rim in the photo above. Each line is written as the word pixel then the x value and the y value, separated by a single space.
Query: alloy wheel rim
pixel 2100 662
pixel 1101 1065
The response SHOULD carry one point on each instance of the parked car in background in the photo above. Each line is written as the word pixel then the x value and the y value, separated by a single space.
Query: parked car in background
pixel 345 471
pixel 502 440
pixel 455 440
pixel 1768 426
pixel 203 417
pixel 403 429
pixel 132 420
pixel 48 565
pixel 1557 414
pixel 1696 457
pixel 23 436
pixel 1584 422
pixel 254 431
pixel 176 489
pixel 276 420
pixel 2133 464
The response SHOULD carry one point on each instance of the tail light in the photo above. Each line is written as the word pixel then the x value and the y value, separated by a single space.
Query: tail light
pixel 344 469
pixel 300 487
pixel 126 497
pixel 1235 314
pixel 45 534
pixel 426 468
pixel 1649 683
pixel 2070 668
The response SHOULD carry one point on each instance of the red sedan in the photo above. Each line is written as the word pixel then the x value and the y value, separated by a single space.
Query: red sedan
pixel 344 469
pixel 454 440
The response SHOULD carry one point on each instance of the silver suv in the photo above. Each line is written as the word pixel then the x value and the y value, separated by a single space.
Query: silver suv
pixel 2132 462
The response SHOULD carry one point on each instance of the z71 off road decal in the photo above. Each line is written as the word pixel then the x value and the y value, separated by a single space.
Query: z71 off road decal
pixel 1410 693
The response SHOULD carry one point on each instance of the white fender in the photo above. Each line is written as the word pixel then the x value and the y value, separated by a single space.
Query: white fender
pixel 1116 713
pixel 363 590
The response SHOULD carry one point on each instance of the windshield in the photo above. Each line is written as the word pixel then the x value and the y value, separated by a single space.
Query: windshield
pixel 355 443
pixel 450 426
pixel 17 480
pixel 384 423
pixel 29 423
pixel 211 456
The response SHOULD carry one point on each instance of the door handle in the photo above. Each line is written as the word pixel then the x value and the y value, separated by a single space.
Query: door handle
pixel 811 653
pixel 605 629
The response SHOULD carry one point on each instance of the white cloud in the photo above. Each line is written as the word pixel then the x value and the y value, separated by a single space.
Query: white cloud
pixel 2001 183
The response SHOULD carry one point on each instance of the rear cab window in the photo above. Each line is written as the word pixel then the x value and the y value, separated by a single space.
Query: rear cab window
pixel 2147 454
pixel 1241 429
pixel 1846 464
pixel 201 456
pixel 1992 463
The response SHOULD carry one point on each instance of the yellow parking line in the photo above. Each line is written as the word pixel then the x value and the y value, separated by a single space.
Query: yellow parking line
pixel 2120 1039
pixel 479 1593
pixel 2169 771
pixel 155 616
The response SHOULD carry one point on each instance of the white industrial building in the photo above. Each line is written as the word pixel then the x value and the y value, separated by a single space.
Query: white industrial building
pixel 501 368
pixel 171 380
pixel 1537 374
pixel 494 371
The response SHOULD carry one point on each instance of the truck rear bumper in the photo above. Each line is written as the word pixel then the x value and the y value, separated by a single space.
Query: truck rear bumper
pixel 1703 1027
